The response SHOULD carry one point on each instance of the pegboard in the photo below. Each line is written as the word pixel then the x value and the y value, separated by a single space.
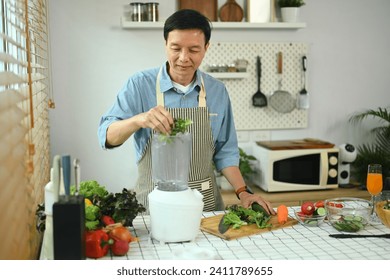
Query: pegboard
pixel 246 116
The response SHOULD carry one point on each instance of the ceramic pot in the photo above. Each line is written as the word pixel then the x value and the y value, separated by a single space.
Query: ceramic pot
pixel 290 14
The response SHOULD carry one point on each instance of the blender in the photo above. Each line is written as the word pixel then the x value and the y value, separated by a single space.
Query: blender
pixel 175 209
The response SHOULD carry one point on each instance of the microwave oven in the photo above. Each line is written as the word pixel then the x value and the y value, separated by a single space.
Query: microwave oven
pixel 295 169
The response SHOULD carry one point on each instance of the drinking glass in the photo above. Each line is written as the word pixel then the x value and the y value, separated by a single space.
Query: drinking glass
pixel 374 187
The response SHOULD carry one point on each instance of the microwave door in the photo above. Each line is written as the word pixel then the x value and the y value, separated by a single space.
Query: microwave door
pixel 301 170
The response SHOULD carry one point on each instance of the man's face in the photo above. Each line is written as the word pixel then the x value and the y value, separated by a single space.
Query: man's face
pixel 185 51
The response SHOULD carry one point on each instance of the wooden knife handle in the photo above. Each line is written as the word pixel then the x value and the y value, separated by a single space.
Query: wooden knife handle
pixel 280 62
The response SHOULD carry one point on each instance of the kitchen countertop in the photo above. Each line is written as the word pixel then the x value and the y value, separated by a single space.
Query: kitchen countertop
pixel 293 243
pixel 296 198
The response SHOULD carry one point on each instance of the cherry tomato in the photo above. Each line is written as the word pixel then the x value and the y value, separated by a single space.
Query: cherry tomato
pixel 319 204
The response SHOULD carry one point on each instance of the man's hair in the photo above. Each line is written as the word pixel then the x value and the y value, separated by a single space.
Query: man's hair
pixel 188 19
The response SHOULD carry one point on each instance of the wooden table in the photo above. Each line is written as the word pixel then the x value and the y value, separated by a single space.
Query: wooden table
pixel 296 198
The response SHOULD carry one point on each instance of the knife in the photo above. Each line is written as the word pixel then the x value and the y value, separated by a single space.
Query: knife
pixel 222 228
pixel 359 236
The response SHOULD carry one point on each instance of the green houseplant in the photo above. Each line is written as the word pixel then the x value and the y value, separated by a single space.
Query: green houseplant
pixel 290 3
pixel 377 151
pixel 245 164
pixel 245 167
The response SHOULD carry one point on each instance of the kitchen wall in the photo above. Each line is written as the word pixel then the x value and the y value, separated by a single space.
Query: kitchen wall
pixel 92 57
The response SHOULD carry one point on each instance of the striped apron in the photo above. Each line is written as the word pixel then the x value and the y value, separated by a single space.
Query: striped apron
pixel 201 175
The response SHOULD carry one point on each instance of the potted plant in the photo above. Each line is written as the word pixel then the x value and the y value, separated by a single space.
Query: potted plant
pixel 245 164
pixel 377 151
pixel 290 9
pixel 246 168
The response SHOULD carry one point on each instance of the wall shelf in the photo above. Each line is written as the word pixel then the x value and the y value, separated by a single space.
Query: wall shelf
pixel 126 24
pixel 229 75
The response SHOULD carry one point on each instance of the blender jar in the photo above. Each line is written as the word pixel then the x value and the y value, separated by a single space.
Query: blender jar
pixel 171 157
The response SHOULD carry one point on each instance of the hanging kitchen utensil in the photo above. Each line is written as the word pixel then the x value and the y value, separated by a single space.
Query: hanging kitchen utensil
pixel 231 11
pixel 259 99
pixel 280 100
pixel 303 98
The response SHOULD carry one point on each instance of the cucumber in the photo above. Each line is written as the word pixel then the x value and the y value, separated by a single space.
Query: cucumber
pixel 348 217
pixel 349 223
pixel 320 211
pixel 258 208
pixel 311 222
pixel 358 219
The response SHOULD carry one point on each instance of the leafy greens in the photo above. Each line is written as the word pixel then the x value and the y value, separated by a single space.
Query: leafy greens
pixel 238 216
pixel 179 126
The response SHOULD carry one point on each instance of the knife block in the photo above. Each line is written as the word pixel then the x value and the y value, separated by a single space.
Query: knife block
pixel 69 228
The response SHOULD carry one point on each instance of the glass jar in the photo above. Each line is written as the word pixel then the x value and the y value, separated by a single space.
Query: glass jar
pixel 151 11
pixel 137 11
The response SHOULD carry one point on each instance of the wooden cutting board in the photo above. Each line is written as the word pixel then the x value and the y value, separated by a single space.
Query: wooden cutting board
pixel 210 225
pixel 209 8
pixel 307 143
pixel 231 11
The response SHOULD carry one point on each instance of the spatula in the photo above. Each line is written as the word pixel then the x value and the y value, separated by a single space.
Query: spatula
pixel 259 99
pixel 303 98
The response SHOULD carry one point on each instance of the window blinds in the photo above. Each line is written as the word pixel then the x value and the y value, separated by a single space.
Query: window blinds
pixel 24 126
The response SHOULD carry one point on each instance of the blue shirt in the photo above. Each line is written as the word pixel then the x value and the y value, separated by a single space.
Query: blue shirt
pixel 139 95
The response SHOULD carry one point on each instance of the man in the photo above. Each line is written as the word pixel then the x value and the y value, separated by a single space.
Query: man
pixel 152 99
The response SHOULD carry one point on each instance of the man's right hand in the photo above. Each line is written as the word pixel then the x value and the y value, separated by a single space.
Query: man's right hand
pixel 157 119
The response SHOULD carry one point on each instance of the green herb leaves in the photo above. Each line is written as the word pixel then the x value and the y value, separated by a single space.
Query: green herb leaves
pixel 179 126
pixel 238 216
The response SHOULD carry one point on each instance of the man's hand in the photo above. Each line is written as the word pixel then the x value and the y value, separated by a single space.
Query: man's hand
pixel 247 199
pixel 157 119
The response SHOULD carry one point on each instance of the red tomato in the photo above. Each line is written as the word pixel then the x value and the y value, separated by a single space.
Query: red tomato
pixel 308 208
pixel 301 214
pixel 121 233
pixel 107 220
pixel 319 204
pixel 120 247
pixel 337 205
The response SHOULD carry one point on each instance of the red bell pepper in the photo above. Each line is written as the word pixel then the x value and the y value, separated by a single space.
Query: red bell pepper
pixel 96 243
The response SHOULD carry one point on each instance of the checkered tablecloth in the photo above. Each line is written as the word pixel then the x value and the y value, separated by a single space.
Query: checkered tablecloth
pixel 292 243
